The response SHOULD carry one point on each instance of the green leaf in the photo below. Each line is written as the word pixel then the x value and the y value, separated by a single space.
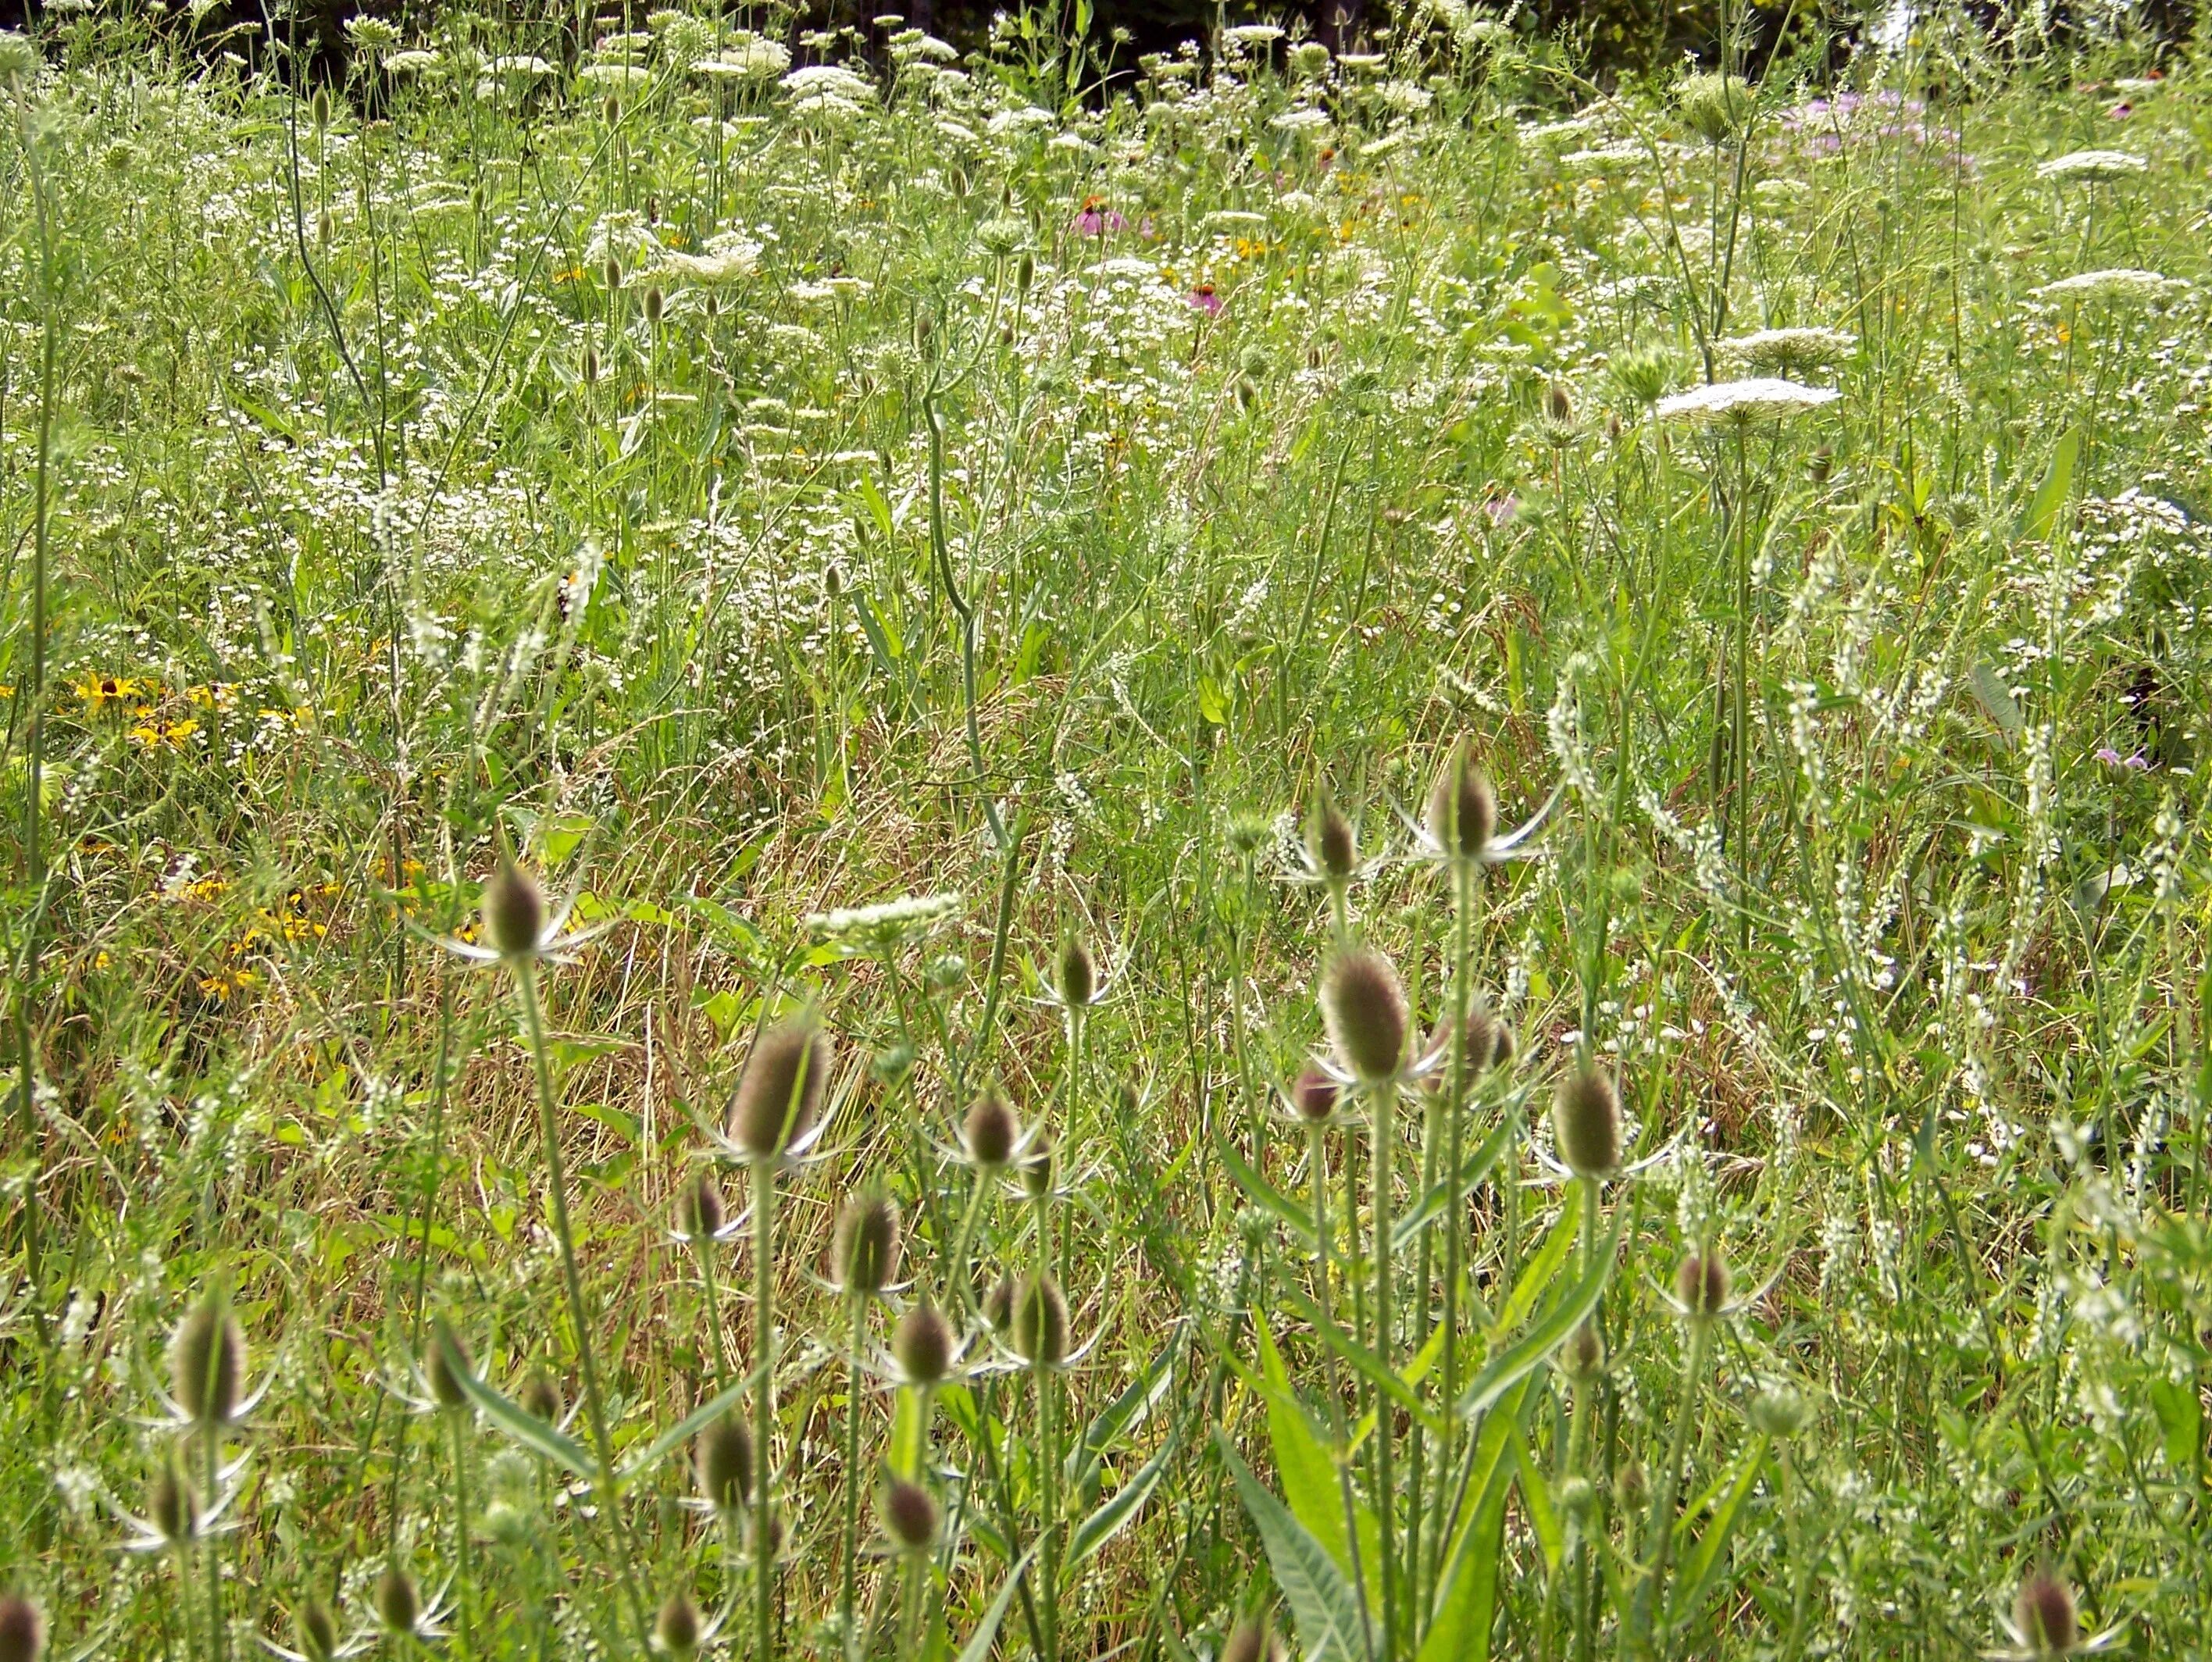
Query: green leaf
pixel 1523 1357
pixel 1467 1600
pixel 1303 1465
pixel 2050 495
pixel 1546 1265
pixel 1543 1516
pixel 1115 1420
pixel 1118 1508
pixel 1322 1603
pixel 1697 1569
pixel 910 1426
pixel 1996 700
pixel 1266 1194
pixel 1444 1196
pixel 524 1426
pixel 1369 1366
pixel 2181 1422
pixel 978 1647
pixel 687 1427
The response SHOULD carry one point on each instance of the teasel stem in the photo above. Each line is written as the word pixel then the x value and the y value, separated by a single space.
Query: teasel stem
pixel 763 1408
pixel 1048 1389
pixel 1466 874
pixel 705 1248
pixel 210 1461
pixel 850 1574
pixel 526 975
pixel 1739 713
pixel 1636 1637
pixel 1340 1448
pixel 958 1282
pixel 1384 1094
pixel 914 1585
pixel 1583 1609
pixel 465 1596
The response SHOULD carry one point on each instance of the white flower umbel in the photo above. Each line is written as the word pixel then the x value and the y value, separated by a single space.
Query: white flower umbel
pixel 1776 348
pixel 2093 164
pixel 2121 284
pixel 1761 399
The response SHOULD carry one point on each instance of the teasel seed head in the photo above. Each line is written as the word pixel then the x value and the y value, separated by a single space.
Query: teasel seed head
pixel 1575 1496
pixel 1364 1007
pixel 1582 1357
pixel 614 273
pixel 991 1132
pixel 866 1248
pixel 677 1629
pixel 1478 1043
pixel 909 1515
pixel 1462 811
pixel 207 1362
pixel 1586 1123
pixel 513 911
pixel 316 1629
pixel 399 1604
pixel 444 1363
pixel 1504 1047
pixel 999 1304
pixel 22 1630
pixel 1252 1640
pixel 1702 1285
pixel 1040 1322
pixel 1331 843
pixel 780 1093
pixel 654 302
pixel 2044 1612
pixel 171 1506
pixel 541 1396
pixel 921 1344
pixel 700 1212
pixel 1036 1165
pixel 591 366
pixel 725 1463
pixel 1075 975
pixel 1313 1095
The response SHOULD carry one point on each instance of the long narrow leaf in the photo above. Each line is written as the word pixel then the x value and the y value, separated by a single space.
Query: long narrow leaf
pixel 978 1647
pixel 1537 1276
pixel 1523 1357
pixel 1118 1508
pixel 1369 1366
pixel 1697 1570
pixel 1466 1600
pixel 1446 1194
pixel 526 1427
pixel 1322 1603
pixel 687 1427
pixel 1266 1194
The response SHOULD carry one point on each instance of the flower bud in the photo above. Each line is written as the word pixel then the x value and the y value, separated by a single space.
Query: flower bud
pixel 317 1631
pixel 1575 1496
pixel 1363 1008
pixel 1313 1096
pixel 677 1630
pixel 782 1089
pixel 1478 1043
pixel 725 1463
pixel 1586 1123
pixel 591 366
pixel 1504 1047
pixel 654 302
pixel 444 1364
pixel 171 1506
pixel 909 1515
pixel 207 1362
pixel 921 1344
pixel 1702 1285
pixel 614 273
pixel 541 1396
pixel 1331 844
pixel 1075 976
pixel 1582 1357
pixel 700 1213
pixel 1037 1166
pixel 865 1253
pixel 1462 812
pixel 991 1131
pixel 1040 1322
pixel 1780 1411
pixel 2044 1614
pixel 513 911
pixel 398 1605
pixel 22 1630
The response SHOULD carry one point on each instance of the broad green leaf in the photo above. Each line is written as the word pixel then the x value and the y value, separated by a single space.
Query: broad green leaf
pixel 1523 1357
pixel 1406 1230
pixel 978 1647
pixel 524 1426
pixel 1537 1275
pixel 1322 1607
pixel 1704 1559
pixel 1118 1508
pixel 1996 700
pixel 1369 1366
pixel 1467 1597
pixel 1305 1467
pixel 1543 1516
pixel 2181 1422
pixel 2050 493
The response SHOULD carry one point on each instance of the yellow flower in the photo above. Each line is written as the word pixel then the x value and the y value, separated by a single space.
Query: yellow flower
pixel 228 984
pixel 155 733
pixel 97 692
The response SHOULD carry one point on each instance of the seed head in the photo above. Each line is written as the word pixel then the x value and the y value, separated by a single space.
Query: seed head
pixel 541 1396
pixel 444 1364
pixel 1586 1123
pixel 909 1515
pixel 1582 1357
pixel 866 1249
pixel 1462 811
pixel 1478 1042
pixel 22 1630
pixel 398 1605
pixel 1314 1096
pixel 1331 844
pixel 171 1506
pixel 999 1304
pixel 654 302
pixel 921 1344
pixel 513 911
pixel 1363 1008
pixel 1631 1488
pixel 2044 1614
pixel 991 1131
pixel 1780 1411
pixel 725 1463
pixel 1252 1640
pixel 700 1212
pixel 614 273
pixel 1504 1047
pixel 1040 1322
pixel 782 1089
pixel 318 1629
pixel 1575 1496
pixel 677 1629
pixel 1702 1285
pixel 208 1362
pixel 1036 1165
pixel 1075 976
pixel 591 366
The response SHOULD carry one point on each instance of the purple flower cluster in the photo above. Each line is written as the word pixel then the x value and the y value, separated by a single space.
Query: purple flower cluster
pixel 1827 124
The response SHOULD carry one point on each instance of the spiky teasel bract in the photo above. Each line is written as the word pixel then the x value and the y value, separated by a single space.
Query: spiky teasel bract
pixel 22 1630
pixel 775 1112
pixel 1363 1007
pixel 865 1256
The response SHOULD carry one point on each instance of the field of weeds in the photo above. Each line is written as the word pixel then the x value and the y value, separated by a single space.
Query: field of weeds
pixel 821 847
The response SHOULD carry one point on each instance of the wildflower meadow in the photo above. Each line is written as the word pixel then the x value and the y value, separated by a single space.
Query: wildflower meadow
pixel 824 845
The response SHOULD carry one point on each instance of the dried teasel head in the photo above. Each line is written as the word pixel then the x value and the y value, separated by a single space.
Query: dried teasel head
pixel 725 1463
pixel 2044 1612
pixel 992 1131
pixel 1363 1005
pixel 865 1253
pixel 1701 1284
pixel 1331 844
pixel 1040 1322
pixel 207 1362
pixel 1586 1123
pixel 921 1344
pixel 779 1097
pixel 909 1514
pixel 1462 811
pixel 22 1630
pixel 513 911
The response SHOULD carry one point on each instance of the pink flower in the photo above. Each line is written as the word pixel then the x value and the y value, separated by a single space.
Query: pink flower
pixel 1097 218
pixel 1203 299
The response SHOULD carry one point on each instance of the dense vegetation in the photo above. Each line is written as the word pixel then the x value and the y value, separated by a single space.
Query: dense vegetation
pixel 846 862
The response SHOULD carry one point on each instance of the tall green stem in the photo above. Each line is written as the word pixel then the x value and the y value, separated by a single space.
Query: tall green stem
pixel 1384 1094
pixel 763 1410
pixel 465 1597
pixel 849 1579
pixel 1341 1446
pixel 1637 1639
pixel 211 1458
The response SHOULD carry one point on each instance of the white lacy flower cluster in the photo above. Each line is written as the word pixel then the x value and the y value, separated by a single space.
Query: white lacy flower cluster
pixel 1745 402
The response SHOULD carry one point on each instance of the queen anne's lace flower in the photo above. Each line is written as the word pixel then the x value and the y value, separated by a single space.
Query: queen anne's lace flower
pixel 2093 164
pixel 2121 284
pixel 1761 399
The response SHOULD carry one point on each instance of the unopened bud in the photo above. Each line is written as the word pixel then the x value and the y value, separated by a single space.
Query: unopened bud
pixel 1702 1285
pixel 909 1515
pixel 22 1630
pixel 725 1463
pixel 513 911
pixel 208 1362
